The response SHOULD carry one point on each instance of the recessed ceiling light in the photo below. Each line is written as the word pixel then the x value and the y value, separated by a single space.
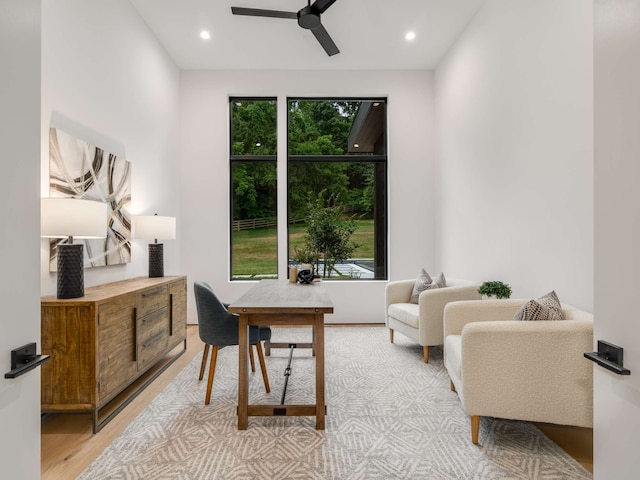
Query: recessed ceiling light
pixel 205 35
pixel 410 35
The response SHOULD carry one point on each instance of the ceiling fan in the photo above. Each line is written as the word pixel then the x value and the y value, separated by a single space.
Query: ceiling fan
pixel 308 17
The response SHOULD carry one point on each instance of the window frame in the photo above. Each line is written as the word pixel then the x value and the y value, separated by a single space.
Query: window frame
pixel 380 162
pixel 271 158
pixel 381 232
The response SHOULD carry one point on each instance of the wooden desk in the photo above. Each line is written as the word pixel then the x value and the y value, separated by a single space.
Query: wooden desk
pixel 280 302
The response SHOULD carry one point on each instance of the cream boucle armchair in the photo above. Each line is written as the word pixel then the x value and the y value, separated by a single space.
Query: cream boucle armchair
pixel 520 370
pixel 422 322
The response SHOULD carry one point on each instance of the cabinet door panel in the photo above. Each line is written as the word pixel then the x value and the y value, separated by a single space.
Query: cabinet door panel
pixel 68 335
pixel 178 304
pixel 117 348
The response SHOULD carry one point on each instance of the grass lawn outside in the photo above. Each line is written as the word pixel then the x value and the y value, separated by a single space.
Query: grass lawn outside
pixel 255 251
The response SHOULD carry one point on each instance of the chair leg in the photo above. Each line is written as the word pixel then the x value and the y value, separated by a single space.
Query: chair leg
pixel 253 362
pixel 475 428
pixel 267 348
pixel 391 335
pixel 204 360
pixel 425 350
pixel 263 367
pixel 212 369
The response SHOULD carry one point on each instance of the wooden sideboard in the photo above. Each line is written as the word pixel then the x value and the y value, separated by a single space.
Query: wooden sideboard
pixel 108 341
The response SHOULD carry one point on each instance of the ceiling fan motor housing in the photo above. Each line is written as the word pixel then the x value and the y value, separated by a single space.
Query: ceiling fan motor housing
pixel 307 18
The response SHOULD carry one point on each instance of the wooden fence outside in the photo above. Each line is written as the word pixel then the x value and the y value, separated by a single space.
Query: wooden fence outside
pixel 253 223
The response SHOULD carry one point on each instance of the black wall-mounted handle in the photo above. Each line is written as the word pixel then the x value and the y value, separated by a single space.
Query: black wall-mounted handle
pixel 25 359
pixel 608 356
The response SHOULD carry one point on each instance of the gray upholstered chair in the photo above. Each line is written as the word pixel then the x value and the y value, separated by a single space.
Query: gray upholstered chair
pixel 218 328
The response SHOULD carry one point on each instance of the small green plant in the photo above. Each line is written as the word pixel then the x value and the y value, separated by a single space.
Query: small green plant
pixel 496 289
pixel 305 254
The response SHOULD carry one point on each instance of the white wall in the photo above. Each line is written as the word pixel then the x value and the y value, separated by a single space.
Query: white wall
pixel 205 174
pixel 617 234
pixel 107 80
pixel 19 244
pixel 515 159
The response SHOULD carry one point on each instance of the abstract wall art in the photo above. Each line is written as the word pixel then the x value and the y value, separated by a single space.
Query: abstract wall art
pixel 80 170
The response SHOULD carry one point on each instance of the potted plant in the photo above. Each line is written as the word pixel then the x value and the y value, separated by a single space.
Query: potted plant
pixel 306 256
pixel 495 289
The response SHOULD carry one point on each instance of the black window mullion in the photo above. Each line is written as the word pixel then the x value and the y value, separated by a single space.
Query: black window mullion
pixel 337 158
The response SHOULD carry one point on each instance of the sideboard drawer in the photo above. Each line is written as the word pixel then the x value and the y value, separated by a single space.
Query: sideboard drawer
pixel 153 322
pixel 151 348
pixel 152 299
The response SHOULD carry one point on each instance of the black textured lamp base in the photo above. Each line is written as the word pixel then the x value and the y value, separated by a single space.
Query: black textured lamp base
pixel 70 270
pixel 156 260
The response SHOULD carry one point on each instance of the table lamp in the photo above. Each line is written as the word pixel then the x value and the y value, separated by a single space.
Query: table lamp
pixel 72 217
pixel 155 227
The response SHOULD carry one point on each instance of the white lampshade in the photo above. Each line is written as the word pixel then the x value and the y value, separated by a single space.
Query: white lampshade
pixel 72 217
pixel 155 227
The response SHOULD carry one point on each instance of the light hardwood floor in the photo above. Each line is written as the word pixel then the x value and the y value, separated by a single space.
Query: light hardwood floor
pixel 69 446
pixel 576 441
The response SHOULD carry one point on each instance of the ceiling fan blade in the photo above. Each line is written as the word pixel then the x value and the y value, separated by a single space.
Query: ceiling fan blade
pixel 325 40
pixel 258 12
pixel 321 6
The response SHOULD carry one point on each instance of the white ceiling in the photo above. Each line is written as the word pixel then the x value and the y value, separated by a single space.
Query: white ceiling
pixel 369 33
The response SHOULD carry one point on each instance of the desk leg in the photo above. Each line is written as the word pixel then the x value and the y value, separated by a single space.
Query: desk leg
pixel 243 374
pixel 319 348
pixel 313 340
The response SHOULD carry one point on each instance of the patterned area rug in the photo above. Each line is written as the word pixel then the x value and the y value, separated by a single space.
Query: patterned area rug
pixel 389 416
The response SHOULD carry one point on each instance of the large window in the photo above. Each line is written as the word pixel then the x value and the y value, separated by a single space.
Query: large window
pixel 336 187
pixel 253 148
pixel 337 161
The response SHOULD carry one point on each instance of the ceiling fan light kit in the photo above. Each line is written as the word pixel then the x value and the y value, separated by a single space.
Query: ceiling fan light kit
pixel 308 18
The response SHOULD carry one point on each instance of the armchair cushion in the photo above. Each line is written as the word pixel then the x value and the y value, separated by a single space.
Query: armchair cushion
pixel 407 313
